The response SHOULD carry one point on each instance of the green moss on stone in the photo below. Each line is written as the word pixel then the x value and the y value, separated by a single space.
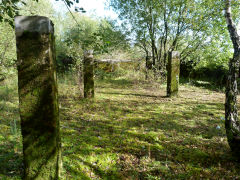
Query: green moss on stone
pixel 38 104
pixel 173 70
pixel 88 77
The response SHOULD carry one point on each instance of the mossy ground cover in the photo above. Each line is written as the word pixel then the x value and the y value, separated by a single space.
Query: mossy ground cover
pixel 131 130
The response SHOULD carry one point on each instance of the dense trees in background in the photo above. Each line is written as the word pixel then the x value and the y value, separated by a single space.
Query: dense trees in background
pixel 7 35
pixel 195 28
pixel 157 26
pixel 102 35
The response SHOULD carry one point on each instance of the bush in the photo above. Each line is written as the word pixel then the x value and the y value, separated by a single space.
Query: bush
pixel 216 74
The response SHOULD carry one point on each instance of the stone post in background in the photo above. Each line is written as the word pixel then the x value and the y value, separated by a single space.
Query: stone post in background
pixel 38 97
pixel 173 71
pixel 88 73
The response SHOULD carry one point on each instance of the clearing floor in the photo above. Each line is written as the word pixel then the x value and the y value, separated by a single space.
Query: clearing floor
pixel 130 130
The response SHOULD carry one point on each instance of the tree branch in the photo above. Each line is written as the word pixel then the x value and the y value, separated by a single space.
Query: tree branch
pixel 232 27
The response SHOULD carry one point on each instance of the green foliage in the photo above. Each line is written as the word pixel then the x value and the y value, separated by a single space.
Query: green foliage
pixel 40 8
pixel 7 35
pixel 8 10
pixel 80 37
pixel 99 35
pixel 11 8
pixel 112 36
pixel 195 28
pixel 103 36
pixel 7 50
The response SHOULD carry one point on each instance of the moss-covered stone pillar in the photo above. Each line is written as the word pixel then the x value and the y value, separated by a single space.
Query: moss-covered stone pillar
pixel 88 74
pixel 173 71
pixel 38 97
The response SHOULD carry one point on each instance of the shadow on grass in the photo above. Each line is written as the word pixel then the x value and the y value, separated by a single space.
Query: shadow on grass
pixel 188 152
pixel 210 85
pixel 187 140
pixel 75 172
pixel 131 94
pixel 120 83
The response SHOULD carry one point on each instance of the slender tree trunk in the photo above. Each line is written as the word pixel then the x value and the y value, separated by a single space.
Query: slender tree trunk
pixel 238 72
pixel 160 55
pixel 153 52
pixel 166 35
pixel 147 67
pixel 231 115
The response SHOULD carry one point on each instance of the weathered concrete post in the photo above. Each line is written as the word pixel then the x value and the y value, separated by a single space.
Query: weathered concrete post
pixel 88 74
pixel 173 71
pixel 38 97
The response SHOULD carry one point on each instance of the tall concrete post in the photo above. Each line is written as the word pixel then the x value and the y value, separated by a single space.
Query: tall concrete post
pixel 38 97
pixel 173 72
pixel 88 68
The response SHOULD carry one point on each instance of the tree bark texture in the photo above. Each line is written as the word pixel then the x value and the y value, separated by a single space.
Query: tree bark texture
pixel 231 113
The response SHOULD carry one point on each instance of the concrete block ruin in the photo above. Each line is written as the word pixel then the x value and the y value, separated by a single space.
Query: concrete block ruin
pixel 38 97
pixel 88 74
pixel 112 65
pixel 173 72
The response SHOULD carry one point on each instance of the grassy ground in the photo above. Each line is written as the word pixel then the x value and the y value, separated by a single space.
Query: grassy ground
pixel 130 131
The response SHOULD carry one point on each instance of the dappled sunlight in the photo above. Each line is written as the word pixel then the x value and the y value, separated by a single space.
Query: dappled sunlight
pixel 136 132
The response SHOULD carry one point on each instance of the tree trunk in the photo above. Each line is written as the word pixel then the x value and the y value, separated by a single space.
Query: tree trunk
pixel 147 67
pixel 153 53
pixel 231 114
